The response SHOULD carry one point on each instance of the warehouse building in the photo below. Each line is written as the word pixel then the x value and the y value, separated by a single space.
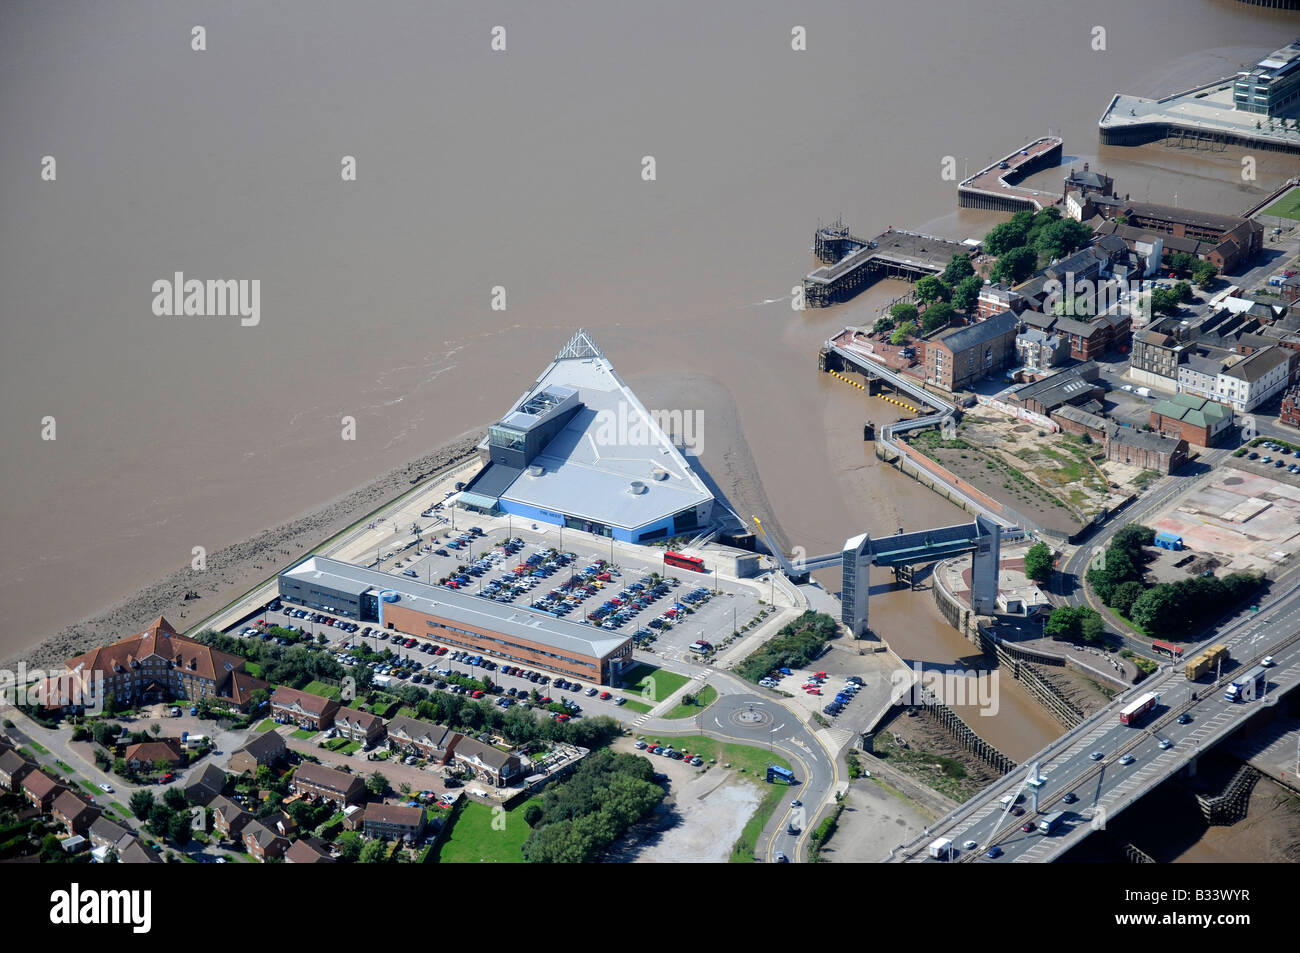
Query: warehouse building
pixel 407 606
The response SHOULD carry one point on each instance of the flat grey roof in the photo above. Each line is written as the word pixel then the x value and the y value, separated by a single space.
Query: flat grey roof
pixel 589 467
pixel 573 638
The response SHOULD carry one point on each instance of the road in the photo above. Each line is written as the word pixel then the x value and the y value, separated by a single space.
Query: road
pixel 1102 784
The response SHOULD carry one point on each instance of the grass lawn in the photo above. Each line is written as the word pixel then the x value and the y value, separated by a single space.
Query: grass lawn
pixel 351 747
pixel 635 705
pixel 1288 206
pixel 254 669
pixel 753 761
pixel 652 683
pixel 320 688
pixel 742 852
pixel 119 810
pixel 89 787
pixel 474 840
pixel 303 734
pixel 39 747
pixel 705 697
pixel 406 711
pixel 267 725
pixel 64 766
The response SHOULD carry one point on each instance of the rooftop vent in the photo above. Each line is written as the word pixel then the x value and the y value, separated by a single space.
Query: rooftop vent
pixel 659 474
pixel 535 470
pixel 636 488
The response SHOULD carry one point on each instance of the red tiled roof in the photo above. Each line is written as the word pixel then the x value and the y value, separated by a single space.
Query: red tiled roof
pixel 160 640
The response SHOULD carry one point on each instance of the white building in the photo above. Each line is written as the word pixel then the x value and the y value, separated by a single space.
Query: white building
pixel 1242 383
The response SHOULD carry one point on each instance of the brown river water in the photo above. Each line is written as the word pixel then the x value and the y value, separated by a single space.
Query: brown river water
pixel 519 169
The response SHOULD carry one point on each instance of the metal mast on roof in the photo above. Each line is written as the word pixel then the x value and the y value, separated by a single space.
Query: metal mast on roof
pixel 580 346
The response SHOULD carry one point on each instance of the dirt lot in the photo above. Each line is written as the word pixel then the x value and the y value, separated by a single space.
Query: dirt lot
pixel 700 821
pixel 876 820
pixel 1015 481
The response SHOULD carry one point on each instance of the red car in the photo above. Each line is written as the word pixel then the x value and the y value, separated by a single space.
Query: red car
pixel 605 696
pixel 814 691
pixel 1027 827
pixel 561 717
pixel 477 694
pixel 167 778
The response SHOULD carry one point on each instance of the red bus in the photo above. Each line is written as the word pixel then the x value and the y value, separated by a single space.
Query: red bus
pixel 693 563
pixel 1166 648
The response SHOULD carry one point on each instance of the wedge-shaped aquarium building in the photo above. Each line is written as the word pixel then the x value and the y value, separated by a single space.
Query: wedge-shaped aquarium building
pixel 579 450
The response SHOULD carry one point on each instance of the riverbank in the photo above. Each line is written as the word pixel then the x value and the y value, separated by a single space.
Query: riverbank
pixel 234 570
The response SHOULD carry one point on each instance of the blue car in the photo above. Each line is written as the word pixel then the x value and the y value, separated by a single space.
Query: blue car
pixel 993 853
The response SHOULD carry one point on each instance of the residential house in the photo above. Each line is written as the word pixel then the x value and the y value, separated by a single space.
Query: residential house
pixel 40 789
pixel 431 742
pixel 489 764
pixel 357 725
pixel 13 768
pixel 107 834
pixel 1230 239
pixel 997 299
pixel 205 785
pixel 1039 351
pixel 290 706
pixel 1256 379
pixel 262 843
pixel 307 850
pixel 327 784
pixel 75 814
pixel 134 852
pixel 265 748
pixel 228 818
pixel 391 821
pixel 145 754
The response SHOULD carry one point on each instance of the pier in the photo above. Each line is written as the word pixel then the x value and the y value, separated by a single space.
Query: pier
pixel 853 263
pixel 1202 118
pixel 997 185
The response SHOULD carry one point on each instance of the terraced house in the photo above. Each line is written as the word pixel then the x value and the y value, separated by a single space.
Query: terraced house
pixel 290 706
pixel 159 664
pixel 431 742
pixel 356 725
pixel 489 764
pixel 326 784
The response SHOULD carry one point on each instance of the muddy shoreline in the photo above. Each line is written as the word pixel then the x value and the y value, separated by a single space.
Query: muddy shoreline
pixel 234 570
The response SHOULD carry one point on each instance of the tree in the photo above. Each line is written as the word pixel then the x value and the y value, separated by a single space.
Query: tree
pixel 1092 629
pixel 375 852
pixel 160 820
pixel 155 729
pixel 532 814
pixel 175 799
pixel 930 289
pixel 965 296
pixel 958 270
pixel 1038 562
pixel 179 829
pixel 902 333
pixel 141 804
pixel 1062 624
pixel 883 326
pixel 1016 265
pixel 1002 238
pixel 1204 274
pixel 937 315
pixel 1061 237
pixel 377 784
pixel 1156 610
pixel 1125 595
pixel 903 312
pixel 350 845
